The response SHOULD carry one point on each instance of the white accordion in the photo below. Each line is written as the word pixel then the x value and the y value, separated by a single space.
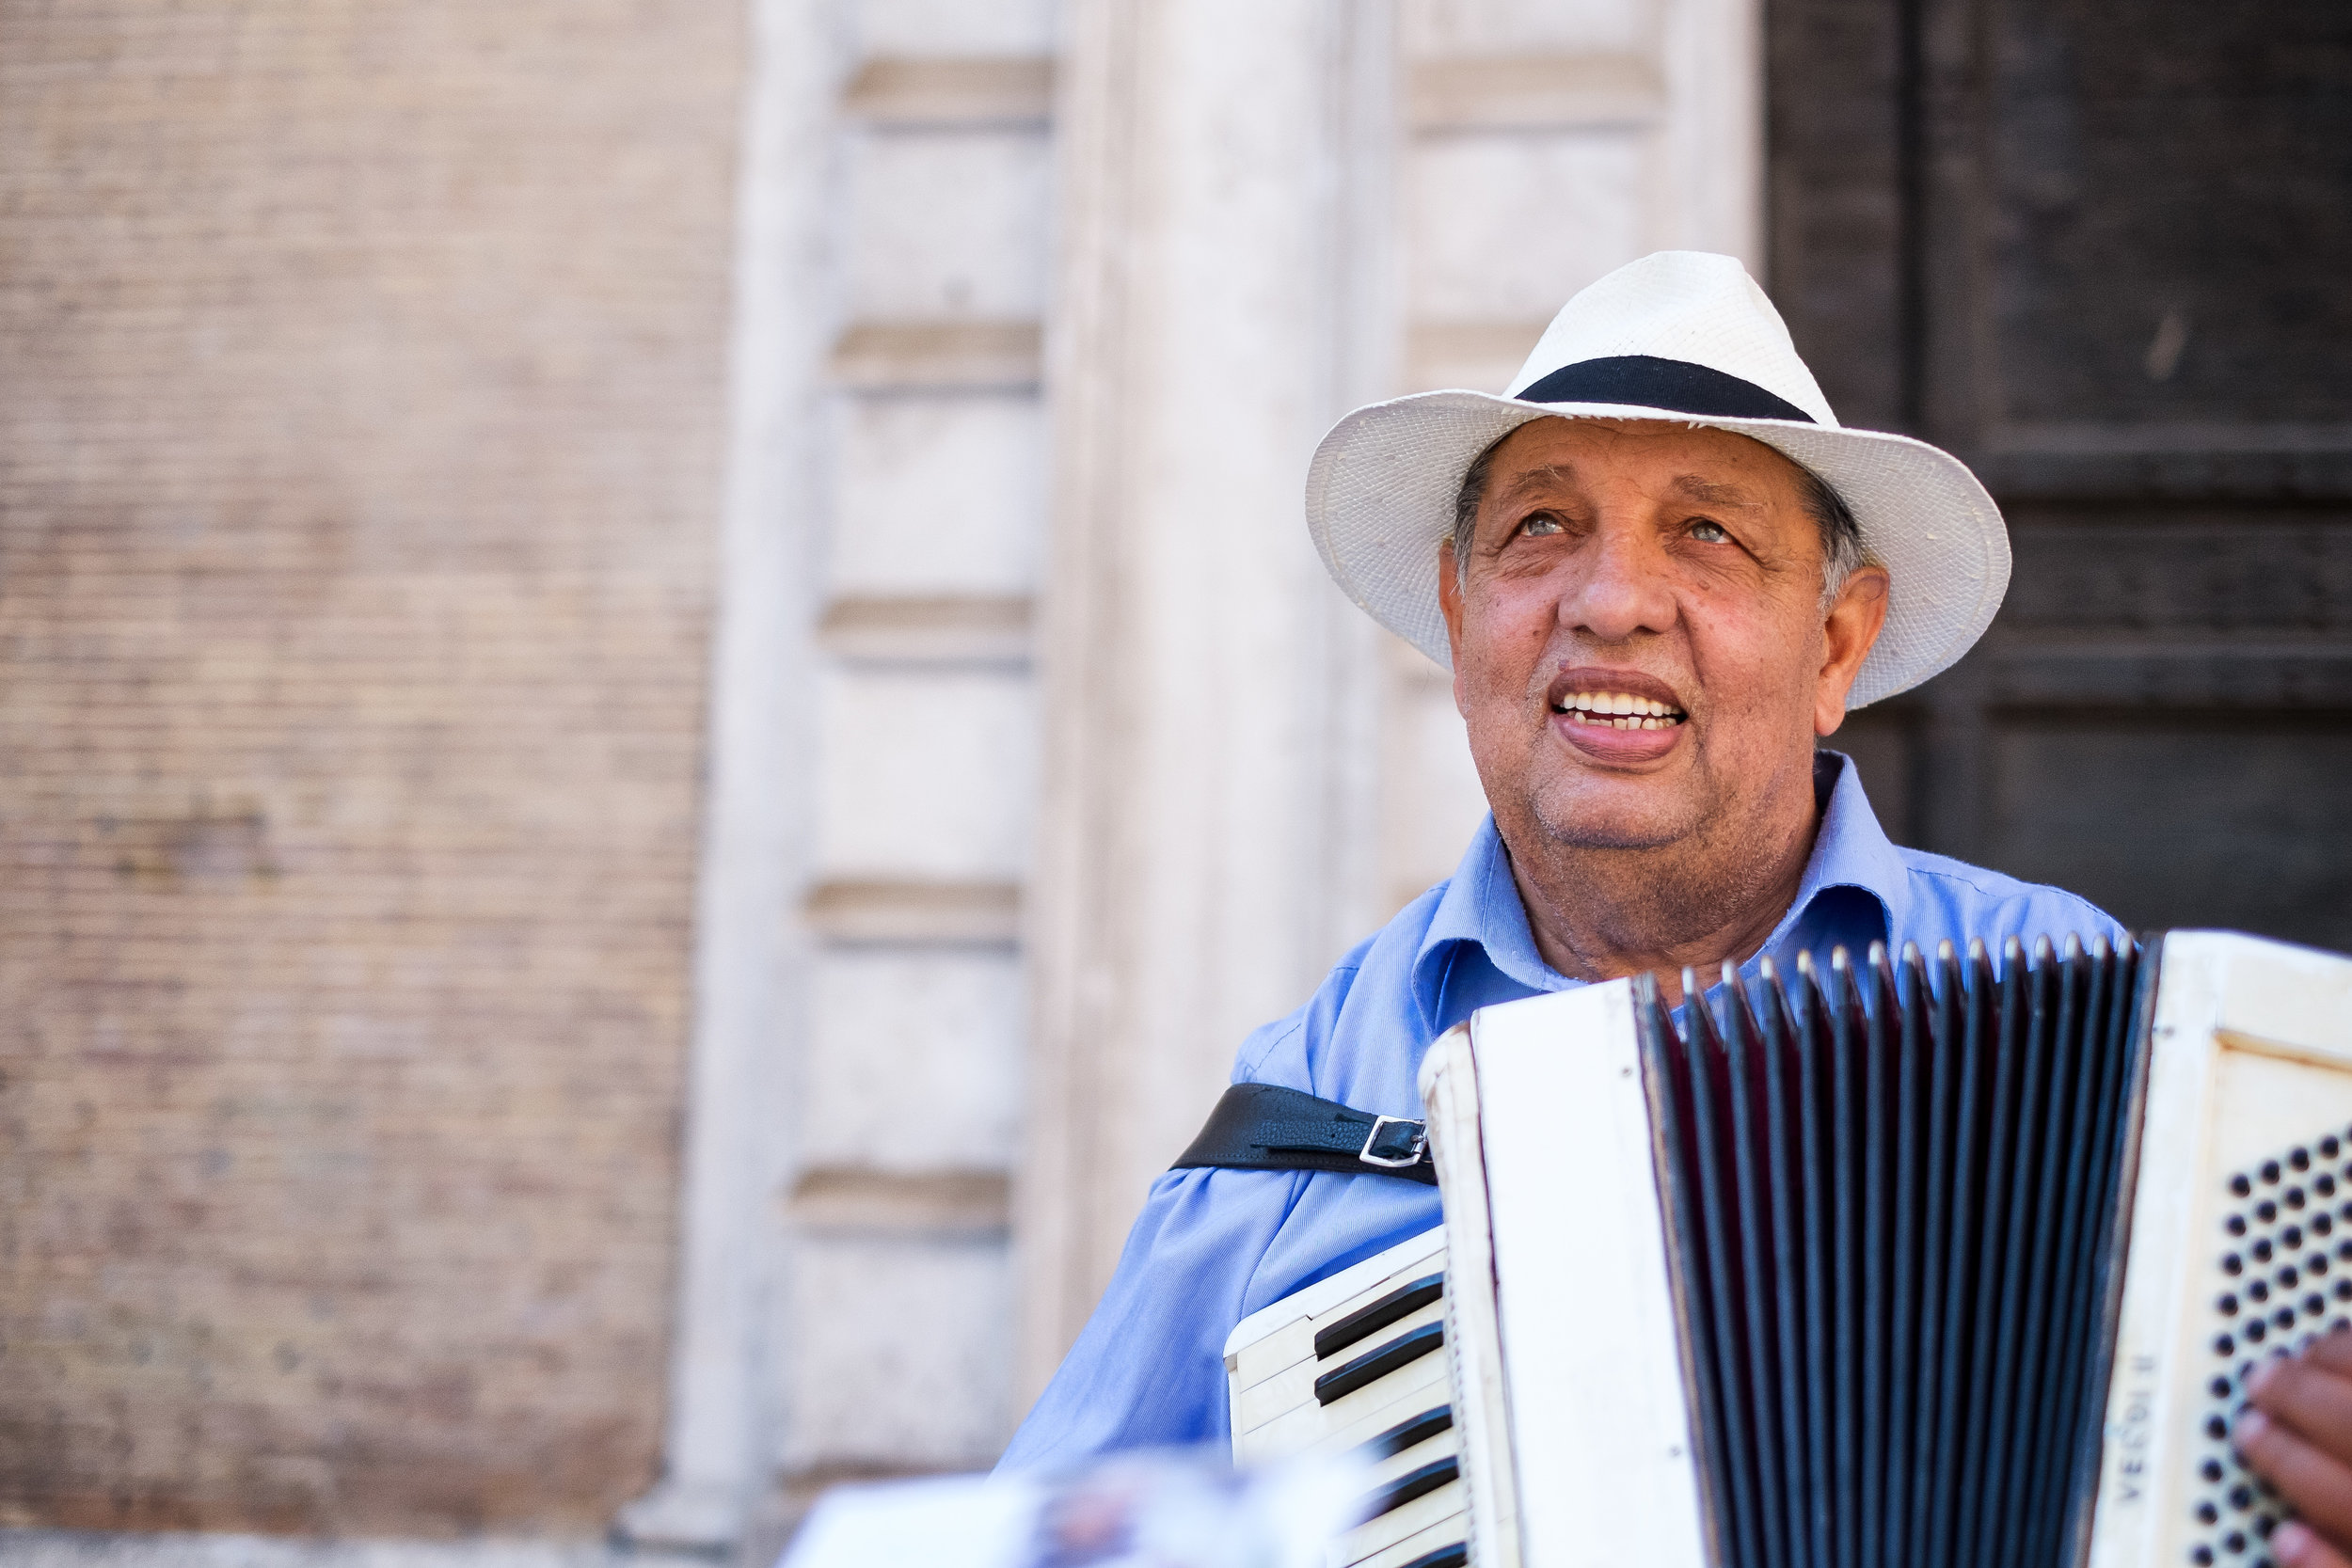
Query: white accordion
pixel 1915 1263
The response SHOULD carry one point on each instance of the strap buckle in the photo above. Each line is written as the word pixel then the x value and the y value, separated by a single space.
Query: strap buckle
pixel 1413 1143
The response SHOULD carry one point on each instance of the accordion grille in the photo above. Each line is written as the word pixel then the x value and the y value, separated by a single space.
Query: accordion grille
pixel 1895 1194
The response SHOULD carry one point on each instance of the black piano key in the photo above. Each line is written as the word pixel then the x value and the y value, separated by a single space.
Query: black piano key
pixel 1742 1057
pixel 1445 1557
pixel 1378 1362
pixel 1979 1045
pixel 1417 1483
pixel 1780 1156
pixel 2023 1289
pixel 1665 1083
pixel 1986 1328
pixel 1371 1319
pixel 1808 1035
pixel 1405 1434
pixel 1848 1139
pixel 1718 1185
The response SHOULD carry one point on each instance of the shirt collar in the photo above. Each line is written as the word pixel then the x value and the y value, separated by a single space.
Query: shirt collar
pixel 1480 904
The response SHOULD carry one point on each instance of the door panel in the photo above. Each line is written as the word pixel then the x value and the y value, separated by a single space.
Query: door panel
pixel 2103 252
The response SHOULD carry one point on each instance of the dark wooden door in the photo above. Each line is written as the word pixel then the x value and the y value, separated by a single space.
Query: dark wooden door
pixel 2102 249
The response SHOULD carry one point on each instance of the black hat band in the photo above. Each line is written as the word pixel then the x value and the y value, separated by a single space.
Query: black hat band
pixel 1646 381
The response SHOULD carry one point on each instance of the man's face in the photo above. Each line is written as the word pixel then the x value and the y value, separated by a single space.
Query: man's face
pixel 1669 570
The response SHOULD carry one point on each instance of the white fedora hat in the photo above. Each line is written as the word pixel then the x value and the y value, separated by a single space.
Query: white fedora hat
pixel 1680 336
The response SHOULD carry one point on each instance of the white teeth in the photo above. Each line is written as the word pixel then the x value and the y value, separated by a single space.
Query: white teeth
pixel 1620 710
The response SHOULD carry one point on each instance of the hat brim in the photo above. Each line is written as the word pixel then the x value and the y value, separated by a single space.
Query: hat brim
pixel 1381 497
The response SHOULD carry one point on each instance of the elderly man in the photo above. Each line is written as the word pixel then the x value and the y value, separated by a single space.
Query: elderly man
pixel 1659 571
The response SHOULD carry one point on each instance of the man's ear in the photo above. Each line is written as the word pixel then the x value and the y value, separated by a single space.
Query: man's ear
pixel 1450 606
pixel 1846 636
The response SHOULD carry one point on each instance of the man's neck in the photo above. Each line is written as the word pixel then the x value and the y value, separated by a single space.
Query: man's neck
pixel 1596 915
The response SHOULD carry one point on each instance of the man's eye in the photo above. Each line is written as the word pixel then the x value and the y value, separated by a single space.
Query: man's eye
pixel 1540 523
pixel 1710 533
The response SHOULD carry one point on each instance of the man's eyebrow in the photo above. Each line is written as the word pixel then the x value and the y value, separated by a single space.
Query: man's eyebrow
pixel 1549 476
pixel 1707 493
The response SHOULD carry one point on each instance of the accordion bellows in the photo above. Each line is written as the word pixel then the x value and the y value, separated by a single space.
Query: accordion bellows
pixel 1913 1264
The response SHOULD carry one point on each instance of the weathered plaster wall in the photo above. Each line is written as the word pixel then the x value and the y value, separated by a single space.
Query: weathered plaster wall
pixel 362 427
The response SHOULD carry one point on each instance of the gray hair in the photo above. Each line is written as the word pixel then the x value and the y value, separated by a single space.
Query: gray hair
pixel 1842 536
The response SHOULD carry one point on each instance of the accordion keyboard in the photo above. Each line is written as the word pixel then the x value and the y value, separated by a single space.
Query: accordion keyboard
pixel 1358 1362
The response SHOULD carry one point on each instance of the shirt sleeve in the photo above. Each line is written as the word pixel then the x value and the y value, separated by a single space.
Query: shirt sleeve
pixel 1150 1368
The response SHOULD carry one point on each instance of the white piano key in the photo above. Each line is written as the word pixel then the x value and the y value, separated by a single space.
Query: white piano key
pixel 1307 1431
pixel 1295 1385
pixel 1293 1342
pixel 1300 1424
pixel 1447 1531
pixel 1402 1404
pixel 1445 1445
pixel 1430 1508
pixel 1325 1294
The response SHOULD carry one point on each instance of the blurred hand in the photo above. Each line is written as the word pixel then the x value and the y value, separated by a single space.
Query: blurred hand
pixel 2298 1437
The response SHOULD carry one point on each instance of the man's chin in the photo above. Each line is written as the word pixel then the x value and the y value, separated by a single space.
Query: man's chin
pixel 1616 818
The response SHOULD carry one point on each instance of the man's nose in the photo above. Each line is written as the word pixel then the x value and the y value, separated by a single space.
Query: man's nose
pixel 1622 588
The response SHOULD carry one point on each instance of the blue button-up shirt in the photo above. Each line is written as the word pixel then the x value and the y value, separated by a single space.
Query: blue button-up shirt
pixel 1213 1245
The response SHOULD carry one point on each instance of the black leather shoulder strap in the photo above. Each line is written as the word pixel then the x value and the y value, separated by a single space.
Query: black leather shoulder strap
pixel 1267 1127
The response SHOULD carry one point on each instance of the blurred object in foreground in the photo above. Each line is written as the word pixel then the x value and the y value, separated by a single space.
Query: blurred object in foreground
pixel 1168 1508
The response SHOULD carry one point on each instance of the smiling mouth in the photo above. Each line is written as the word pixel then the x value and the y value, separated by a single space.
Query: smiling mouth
pixel 1617 710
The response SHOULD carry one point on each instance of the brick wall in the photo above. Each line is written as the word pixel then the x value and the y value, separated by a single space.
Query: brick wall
pixel 361 426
